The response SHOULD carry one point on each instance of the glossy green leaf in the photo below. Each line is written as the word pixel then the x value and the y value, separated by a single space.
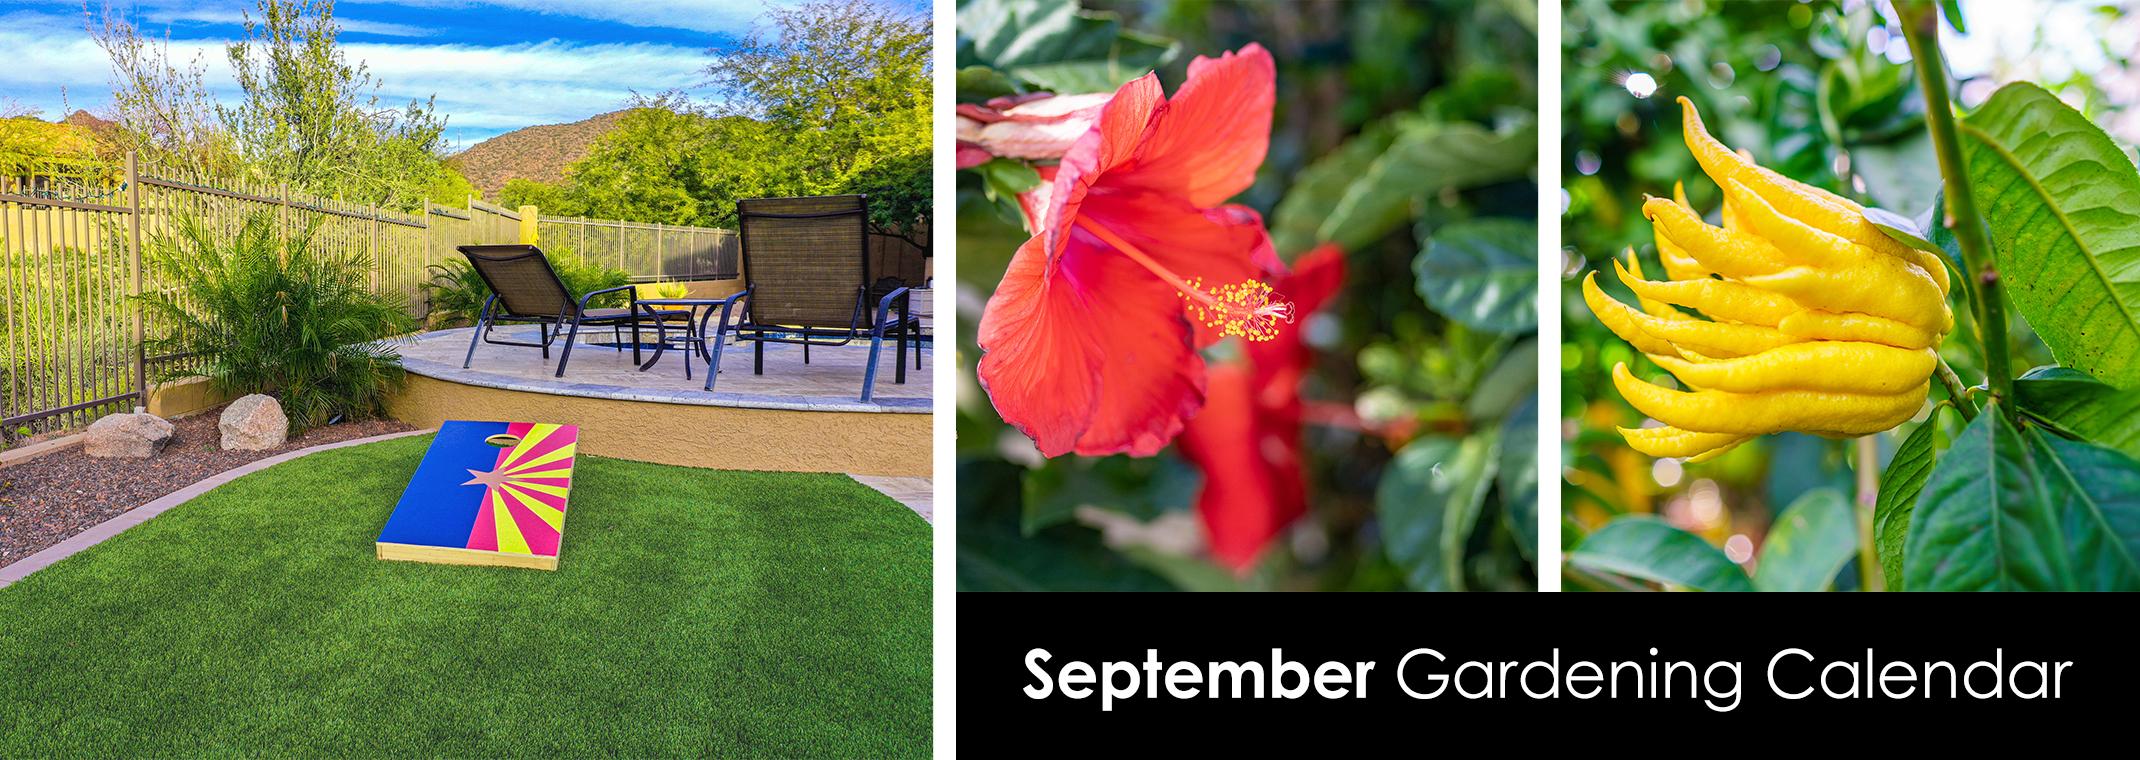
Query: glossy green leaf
pixel 1055 45
pixel 1421 162
pixel 1899 487
pixel 1641 546
pixel 1983 522
pixel 1007 178
pixel 1139 487
pixel 2063 205
pixel 1317 189
pixel 1952 12
pixel 994 556
pixel 1512 381
pixel 2010 509
pixel 2095 491
pixel 980 83
pixel 2083 405
pixel 1518 475
pixel 1808 544
pixel 1483 273
pixel 1903 229
pixel 1427 502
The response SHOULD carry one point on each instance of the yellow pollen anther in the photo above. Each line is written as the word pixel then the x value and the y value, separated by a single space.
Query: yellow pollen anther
pixel 1248 309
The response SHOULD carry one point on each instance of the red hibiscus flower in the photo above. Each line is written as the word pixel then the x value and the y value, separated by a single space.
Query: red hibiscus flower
pixel 1247 439
pixel 1091 338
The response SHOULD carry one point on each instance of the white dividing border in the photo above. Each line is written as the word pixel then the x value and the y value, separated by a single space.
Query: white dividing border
pixel 1549 308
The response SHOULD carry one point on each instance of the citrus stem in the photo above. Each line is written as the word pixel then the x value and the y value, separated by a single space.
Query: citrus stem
pixel 1920 23
pixel 1868 455
pixel 1956 393
pixel 1110 238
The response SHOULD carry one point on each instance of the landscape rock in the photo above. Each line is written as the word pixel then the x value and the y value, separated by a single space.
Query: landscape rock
pixel 131 436
pixel 254 423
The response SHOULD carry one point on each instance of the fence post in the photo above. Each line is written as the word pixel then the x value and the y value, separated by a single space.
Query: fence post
pixel 282 218
pixel 378 266
pixel 133 255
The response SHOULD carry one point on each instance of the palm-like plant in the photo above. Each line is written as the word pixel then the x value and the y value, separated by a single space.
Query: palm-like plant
pixel 268 315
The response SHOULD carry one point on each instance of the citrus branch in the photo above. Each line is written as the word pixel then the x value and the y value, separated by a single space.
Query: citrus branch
pixel 1920 23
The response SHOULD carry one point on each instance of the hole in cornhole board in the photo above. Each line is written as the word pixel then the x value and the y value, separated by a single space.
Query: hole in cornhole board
pixel 503 440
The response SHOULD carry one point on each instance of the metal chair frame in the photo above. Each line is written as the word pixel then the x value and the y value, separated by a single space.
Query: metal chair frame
pixel 549 326
pixel 759 334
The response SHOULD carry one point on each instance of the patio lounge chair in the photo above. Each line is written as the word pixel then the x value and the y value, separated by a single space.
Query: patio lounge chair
pixel 807 280
pixel 525 289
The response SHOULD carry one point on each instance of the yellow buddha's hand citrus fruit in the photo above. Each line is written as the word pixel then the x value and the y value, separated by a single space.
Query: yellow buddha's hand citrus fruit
pixel 1816 321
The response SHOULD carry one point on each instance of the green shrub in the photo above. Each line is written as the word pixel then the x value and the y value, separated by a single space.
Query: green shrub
pixel 455 294
pixel 263 315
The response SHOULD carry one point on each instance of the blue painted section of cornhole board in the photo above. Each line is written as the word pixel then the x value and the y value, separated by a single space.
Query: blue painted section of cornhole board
pixel 438 509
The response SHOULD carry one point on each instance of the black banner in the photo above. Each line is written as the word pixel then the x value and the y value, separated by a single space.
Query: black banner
pixel 1096 666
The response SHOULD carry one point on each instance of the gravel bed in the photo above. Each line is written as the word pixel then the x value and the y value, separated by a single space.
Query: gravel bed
pixel 51 498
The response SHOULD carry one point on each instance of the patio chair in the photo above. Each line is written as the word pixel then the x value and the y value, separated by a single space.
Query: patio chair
pixel 807 281
pixel 525 289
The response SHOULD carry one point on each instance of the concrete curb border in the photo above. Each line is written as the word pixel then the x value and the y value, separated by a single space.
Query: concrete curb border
pixel 112 527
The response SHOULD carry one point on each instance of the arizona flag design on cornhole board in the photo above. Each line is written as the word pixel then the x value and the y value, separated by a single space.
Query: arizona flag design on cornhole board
pixel 486 493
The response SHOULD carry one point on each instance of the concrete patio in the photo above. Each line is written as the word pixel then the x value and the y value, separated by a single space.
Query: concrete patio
pixel 830 381
pixel 793 417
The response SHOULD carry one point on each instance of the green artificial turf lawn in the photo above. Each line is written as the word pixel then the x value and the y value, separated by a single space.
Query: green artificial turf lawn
pixel 694 612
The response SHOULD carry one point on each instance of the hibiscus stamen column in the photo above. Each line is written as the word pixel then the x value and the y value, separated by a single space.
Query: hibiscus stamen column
pixel 1248 309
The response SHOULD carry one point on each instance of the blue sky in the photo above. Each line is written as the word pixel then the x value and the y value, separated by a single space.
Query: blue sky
pixel 495 66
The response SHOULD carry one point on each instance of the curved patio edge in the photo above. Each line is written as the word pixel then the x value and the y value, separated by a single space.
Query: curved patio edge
pixel 23 567
pixel 447 372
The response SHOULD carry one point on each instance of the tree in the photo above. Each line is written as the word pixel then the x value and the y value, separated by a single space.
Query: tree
pixel 449 188
pixel 311 120
pixel 165 114
pixel 900 200
pixel 841 86
pixel 551 199
pixel 642 170
pixel 829 98
pixel 308 120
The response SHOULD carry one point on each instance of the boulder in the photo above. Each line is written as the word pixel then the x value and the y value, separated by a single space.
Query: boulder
pixel 254 423
pixel 130 436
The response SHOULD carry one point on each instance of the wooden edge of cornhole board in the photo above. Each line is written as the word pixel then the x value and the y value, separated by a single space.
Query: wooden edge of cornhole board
pixel 486 493
pixel 447 555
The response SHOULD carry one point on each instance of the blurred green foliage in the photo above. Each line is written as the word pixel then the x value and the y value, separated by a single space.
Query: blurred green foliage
pixel 1404 132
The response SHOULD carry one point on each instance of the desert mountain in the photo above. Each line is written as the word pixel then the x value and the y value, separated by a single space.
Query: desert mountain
pixel 539 153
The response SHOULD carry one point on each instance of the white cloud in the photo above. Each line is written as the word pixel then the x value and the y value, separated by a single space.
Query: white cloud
pixel 732 16
pixel 237 15
pixel 491 90
pixel 485 91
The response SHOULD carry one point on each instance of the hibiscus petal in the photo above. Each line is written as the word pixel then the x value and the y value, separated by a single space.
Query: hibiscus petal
pixel 1152 379
pixel 1041 360
pixel 1222 246
pixel 1210 138
pixel 1240 505
pixel 1111 141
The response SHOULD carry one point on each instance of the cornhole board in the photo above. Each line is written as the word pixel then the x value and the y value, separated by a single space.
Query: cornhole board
pixel 486 493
